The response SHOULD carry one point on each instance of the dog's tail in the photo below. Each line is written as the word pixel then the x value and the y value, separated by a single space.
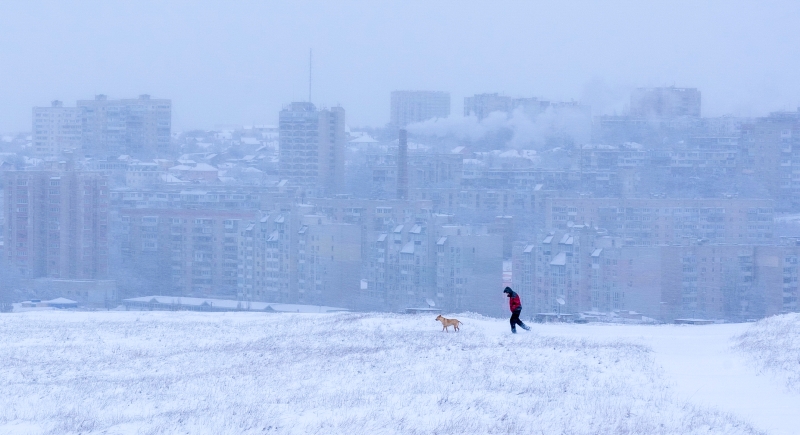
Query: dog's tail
pixel 460 322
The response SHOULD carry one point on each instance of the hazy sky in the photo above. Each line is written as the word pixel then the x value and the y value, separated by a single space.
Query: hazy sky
pixel 237 62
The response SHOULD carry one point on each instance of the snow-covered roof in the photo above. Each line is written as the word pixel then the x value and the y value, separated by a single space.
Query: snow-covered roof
pixel 547 239
pixel 61 301
pixel 559 260
pixel 364 138
pixel 180 168
pixel 528 249
pixel 597 252
pixel 408 248
pixel 169 178
pixel 203 167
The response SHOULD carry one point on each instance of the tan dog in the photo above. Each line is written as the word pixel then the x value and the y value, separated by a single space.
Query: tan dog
pixel 446 323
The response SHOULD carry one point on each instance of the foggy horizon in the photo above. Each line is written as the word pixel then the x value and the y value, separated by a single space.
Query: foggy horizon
pixel 239 64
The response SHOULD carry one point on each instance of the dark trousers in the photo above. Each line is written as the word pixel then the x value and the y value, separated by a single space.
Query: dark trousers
pixel 515 319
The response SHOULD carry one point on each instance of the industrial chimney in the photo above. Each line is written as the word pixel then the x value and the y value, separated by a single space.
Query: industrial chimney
pixel 402 165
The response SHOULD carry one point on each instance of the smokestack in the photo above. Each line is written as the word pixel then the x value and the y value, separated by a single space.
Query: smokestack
pixel 402 165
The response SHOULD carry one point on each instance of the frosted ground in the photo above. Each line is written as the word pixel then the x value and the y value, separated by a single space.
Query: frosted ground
pixel 218 373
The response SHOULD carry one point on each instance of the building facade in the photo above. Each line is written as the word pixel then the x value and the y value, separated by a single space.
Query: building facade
pixel 665 102
pixel 648 221
pixel 594 272
pixel 56 224
pixel 311 149
pixel 56 129
pixel 408 107
pixel 481 105
pixel 137 126
pixel 184 252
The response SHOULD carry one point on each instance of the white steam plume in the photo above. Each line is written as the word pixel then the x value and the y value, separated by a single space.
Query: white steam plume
pixel 527 130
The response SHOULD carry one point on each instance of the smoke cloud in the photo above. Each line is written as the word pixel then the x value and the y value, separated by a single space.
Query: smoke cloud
pixel 519 129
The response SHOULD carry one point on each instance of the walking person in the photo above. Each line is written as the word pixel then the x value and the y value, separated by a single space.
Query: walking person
pixel 516 307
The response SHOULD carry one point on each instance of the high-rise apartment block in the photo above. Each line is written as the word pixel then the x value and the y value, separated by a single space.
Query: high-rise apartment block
pixel 408 107
pixel 288 256
pixel 645 221
pixel 104 127
pixel 184 252
pixel 134 126
pixel 667 102
pixel 481 105
pixel 312 144
pixel 591 271
pixel 56 129
pixel 56 224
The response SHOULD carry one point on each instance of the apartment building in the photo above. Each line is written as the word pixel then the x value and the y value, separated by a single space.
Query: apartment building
pixel 293 255
pixel 665 102
pixel 184 252
pixel 593 271
pixel 481 105
pixel 649 221
pixel 311 146
pixel 408 107
pixel 425 170
pixel 56 129
pixel 771 148
pixel 329 262
pixel 217 198
pixel 469 270
pixel 137 126
pixel 56 223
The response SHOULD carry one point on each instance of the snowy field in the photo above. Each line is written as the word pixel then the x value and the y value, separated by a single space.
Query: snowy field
pixel 231 373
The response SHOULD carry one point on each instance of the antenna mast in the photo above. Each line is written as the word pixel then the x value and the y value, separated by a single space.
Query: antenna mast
pixel 309 75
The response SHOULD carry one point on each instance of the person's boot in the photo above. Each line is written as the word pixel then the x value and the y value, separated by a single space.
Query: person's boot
pixel 525 327
pixel 513 330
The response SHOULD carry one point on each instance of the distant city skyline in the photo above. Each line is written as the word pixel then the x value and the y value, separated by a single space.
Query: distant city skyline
pixel 238 64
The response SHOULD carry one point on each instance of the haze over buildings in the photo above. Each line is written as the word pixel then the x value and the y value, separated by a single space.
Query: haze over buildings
pixel 645 177
pixel 409 107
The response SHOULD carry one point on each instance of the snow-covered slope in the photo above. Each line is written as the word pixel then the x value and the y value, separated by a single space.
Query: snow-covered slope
pixel 217 373
pixel 773 345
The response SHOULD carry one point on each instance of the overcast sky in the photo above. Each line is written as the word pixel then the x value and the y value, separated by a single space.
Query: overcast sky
pixel 237 62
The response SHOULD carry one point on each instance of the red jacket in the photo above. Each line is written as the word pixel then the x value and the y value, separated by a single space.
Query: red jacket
pixel 514 302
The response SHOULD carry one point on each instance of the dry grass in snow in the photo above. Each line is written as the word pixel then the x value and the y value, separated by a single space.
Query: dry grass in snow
pixel 773 345
pixel 232 373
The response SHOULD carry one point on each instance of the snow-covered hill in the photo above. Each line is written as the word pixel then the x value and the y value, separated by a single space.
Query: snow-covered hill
pixel 773 345
pixel 220 373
